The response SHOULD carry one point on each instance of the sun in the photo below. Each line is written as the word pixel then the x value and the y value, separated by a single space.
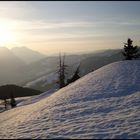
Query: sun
pixel 6 35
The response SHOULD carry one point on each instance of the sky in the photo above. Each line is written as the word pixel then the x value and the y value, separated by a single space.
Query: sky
pixel 70 26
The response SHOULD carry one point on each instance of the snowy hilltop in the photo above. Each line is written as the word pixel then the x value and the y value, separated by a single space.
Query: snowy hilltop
pixel 102 104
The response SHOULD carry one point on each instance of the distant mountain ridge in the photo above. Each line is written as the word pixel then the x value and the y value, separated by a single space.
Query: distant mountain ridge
pixel 15 70
pixel 27 55
pixel 13 66
pixel 10 66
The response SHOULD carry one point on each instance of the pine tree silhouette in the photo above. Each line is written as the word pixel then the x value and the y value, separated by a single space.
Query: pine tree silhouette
pixel 13 101
pixel 130 52
pixel 62 71
pixel 5 103
pixel 74 77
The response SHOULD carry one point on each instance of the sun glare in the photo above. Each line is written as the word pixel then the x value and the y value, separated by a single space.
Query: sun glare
pixel 6 35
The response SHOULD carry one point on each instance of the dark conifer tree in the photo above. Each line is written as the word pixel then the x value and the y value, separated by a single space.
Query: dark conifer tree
pixel 13 101
pixel 5 104
pixel 62 71
pixel 130 52
pixel 74 77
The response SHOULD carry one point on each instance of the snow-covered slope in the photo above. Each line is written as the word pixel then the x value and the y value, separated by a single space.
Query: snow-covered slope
pixel 102 104
pixel 36 98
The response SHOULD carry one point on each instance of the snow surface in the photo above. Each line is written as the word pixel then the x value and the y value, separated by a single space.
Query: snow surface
pixel 37 98
pixel 102 104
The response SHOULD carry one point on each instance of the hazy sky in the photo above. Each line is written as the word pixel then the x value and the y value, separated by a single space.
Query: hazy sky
pixel 69 26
